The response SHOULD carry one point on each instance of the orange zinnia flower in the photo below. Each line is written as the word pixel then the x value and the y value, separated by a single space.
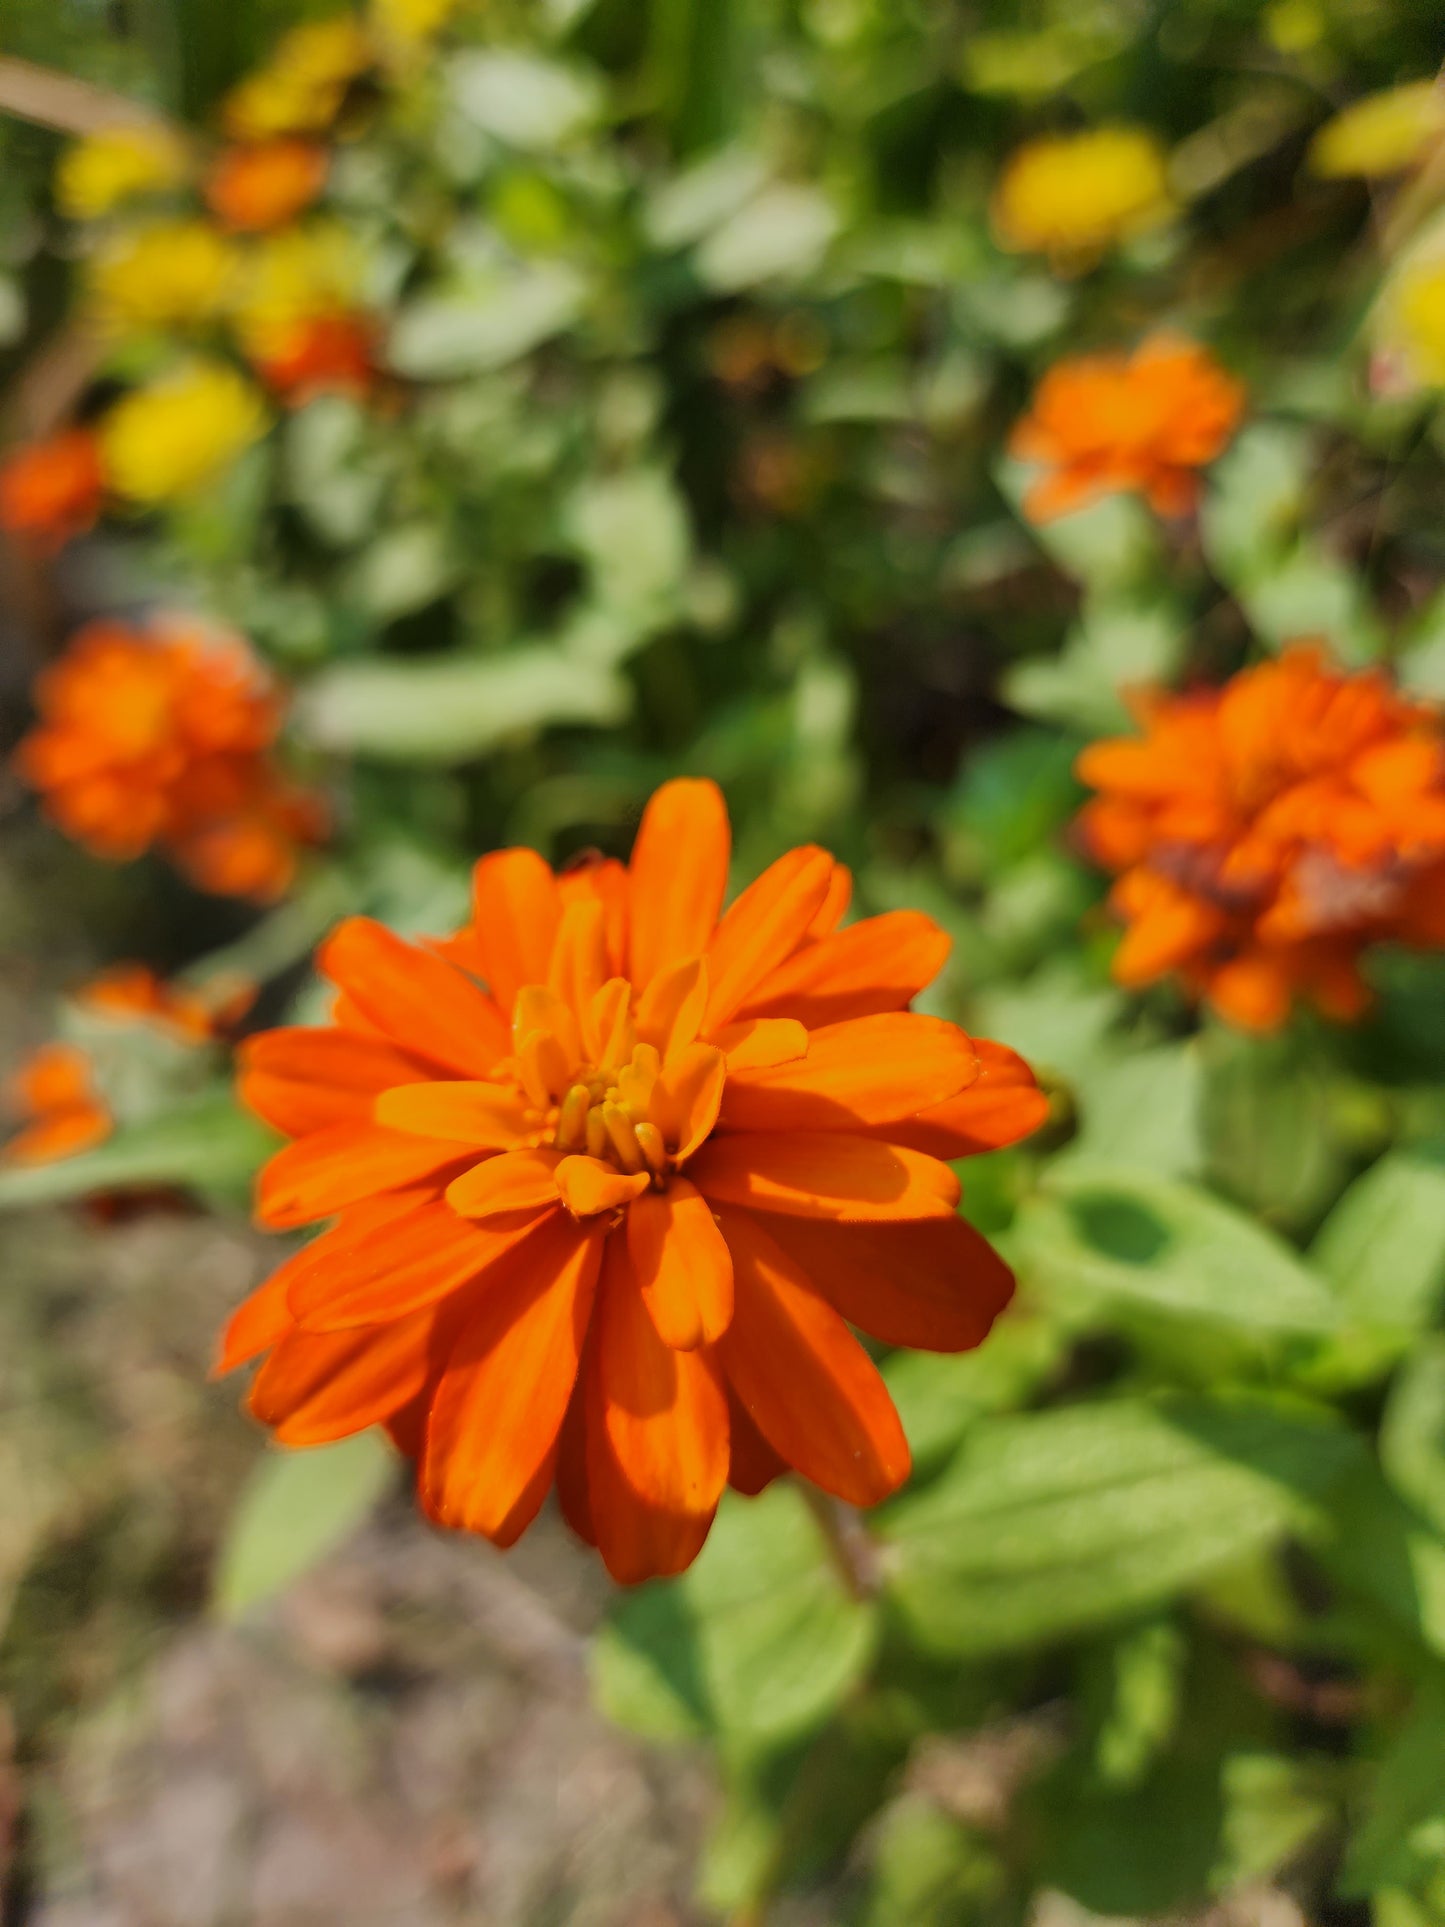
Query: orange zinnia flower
pixel 252 188
pixel 163 737
pixel 1265 833
pixel 1147 422
pixel 57 1105
pixel 52 490
pixel 324 354
pixel 53 1092
pixel 606 1222
pixel 196 1014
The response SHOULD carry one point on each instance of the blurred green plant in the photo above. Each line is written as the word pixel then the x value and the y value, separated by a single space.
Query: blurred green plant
pixel 697 355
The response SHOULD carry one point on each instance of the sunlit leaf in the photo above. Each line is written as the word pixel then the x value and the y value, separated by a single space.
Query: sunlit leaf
pixel 297 1507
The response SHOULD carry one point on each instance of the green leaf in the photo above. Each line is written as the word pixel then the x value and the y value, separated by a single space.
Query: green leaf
pixel 1378 1549
pixel 784 231
pixel 331 469
pixel 1412 1433
pixel 1255 497
pixel 939 1395
pixel 757 1643
pixel 1264 1117
pixel 297 1507
pixel 1056 1019
pixel 1054 1522
pixel 468 331
pixel 1402 1838
pixel 402 570
pixel 928 1871
pixel 1273 1805
pixel 1289 584
pixel 207 1145
pixel 521 98
pixel 450 709
pixel 1419 660
pixel 693 203
pixel 1146 1850
pixel 1140 1112
pixel 1133 1239
pixel 632 531
pixel 1118 644
pixel 1383 1245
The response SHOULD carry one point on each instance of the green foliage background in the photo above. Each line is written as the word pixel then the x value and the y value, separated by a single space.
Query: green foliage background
pixel 1169 1580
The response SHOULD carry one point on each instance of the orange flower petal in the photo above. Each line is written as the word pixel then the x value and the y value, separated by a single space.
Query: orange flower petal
pixel 322 1173
pixel 570 1470
pixel 757 1043
pixel 936 1287
pixel 806 1382
pixel 1002 1106
pixel 670 1010
pixel 662 1411
pixel 514 1181
pixel 1253 991
pixel 1171 929
pixel 579 966
pixel 753 1464
pixel 877 965
pixel 493 1117
pixel 418 999
pixel 834 906
pixel 678 876
pixel 765 925
pixel 682 1264
pixel 686 1097
pixel 301 1079
pixel 637 1541
pixel 400 1267
pixel 63 1136
pixel 825 1174
pixel 604 878
pixel 503 1393
pixel 515 913
pixel 315 1388
pixel 260 1321
pixel 866 1071
pixel 587 1186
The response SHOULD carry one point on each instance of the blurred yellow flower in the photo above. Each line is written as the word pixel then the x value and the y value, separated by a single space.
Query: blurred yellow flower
pixel 115 165
pixel 167 441
pixel 1071 196
pixel 411 19
pixel 294 276
pixel 1382 134
pixel 1294 26
pixel 1412 320
pixel 302 86
pixel 169 274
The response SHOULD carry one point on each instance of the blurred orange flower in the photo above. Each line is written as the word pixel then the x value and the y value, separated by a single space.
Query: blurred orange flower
pixel 324 354
pixel 197 1014
pixel 52 490
pixel 606 1221
pixel 163 737
pixel 1264 834
pixel 53 1092
pixel 1146 422
pixel 264 185
pixel 56 1103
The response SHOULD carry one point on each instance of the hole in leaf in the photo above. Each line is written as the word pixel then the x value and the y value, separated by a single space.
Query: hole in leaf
pixel 1119 1227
